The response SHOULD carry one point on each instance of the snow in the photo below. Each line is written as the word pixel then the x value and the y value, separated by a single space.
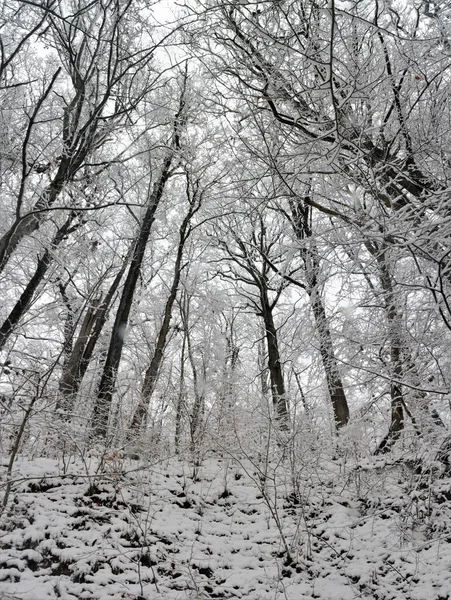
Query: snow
pixel 155 532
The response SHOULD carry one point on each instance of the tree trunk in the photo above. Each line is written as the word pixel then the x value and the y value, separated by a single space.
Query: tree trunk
pixel 274 364
pixel 151 376
pixel 330 364
pixel 68 384
pixel 301 215
pixel 181 397
pixel 108 380
pixel 153 370
pixel 69 327
pixel 199 390
pixel 263 369
pixel 226 396
pixel 396 361
pixel 27 295
pixel 84 347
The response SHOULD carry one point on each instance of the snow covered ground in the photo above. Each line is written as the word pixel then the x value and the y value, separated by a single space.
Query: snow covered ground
pixel 227 529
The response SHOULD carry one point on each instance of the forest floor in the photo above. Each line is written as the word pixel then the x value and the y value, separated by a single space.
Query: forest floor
pixel 226 529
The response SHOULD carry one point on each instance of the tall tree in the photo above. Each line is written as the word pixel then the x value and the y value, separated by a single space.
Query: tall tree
pixel 71 224
pixel 306 68
pixel 249 268
pixel 92 323
pixel 89 90
pixel 301 221
pixel 155 194
pixel 194 196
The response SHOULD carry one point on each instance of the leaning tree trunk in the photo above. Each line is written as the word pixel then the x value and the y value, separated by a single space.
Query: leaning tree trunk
pixel 108 380
pixel 23 303
pixel 151 376
pixel 100 320
pixel 89 335
pixel 301 216
pixel 333 378
pixel 68 384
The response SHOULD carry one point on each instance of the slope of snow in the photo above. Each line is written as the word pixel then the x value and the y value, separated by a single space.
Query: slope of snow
pixel 222 530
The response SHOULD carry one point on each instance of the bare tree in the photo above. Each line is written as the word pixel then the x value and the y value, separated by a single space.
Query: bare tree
pixel 199 374
pixel 394 325
pixel 72 223
pixel 155 194
pixel 249 268
pixel 97 75
pixel 301 222
pixel 301 74
pixel 194 196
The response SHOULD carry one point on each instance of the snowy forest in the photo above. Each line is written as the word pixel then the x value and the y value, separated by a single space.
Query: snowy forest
pixel 225 322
